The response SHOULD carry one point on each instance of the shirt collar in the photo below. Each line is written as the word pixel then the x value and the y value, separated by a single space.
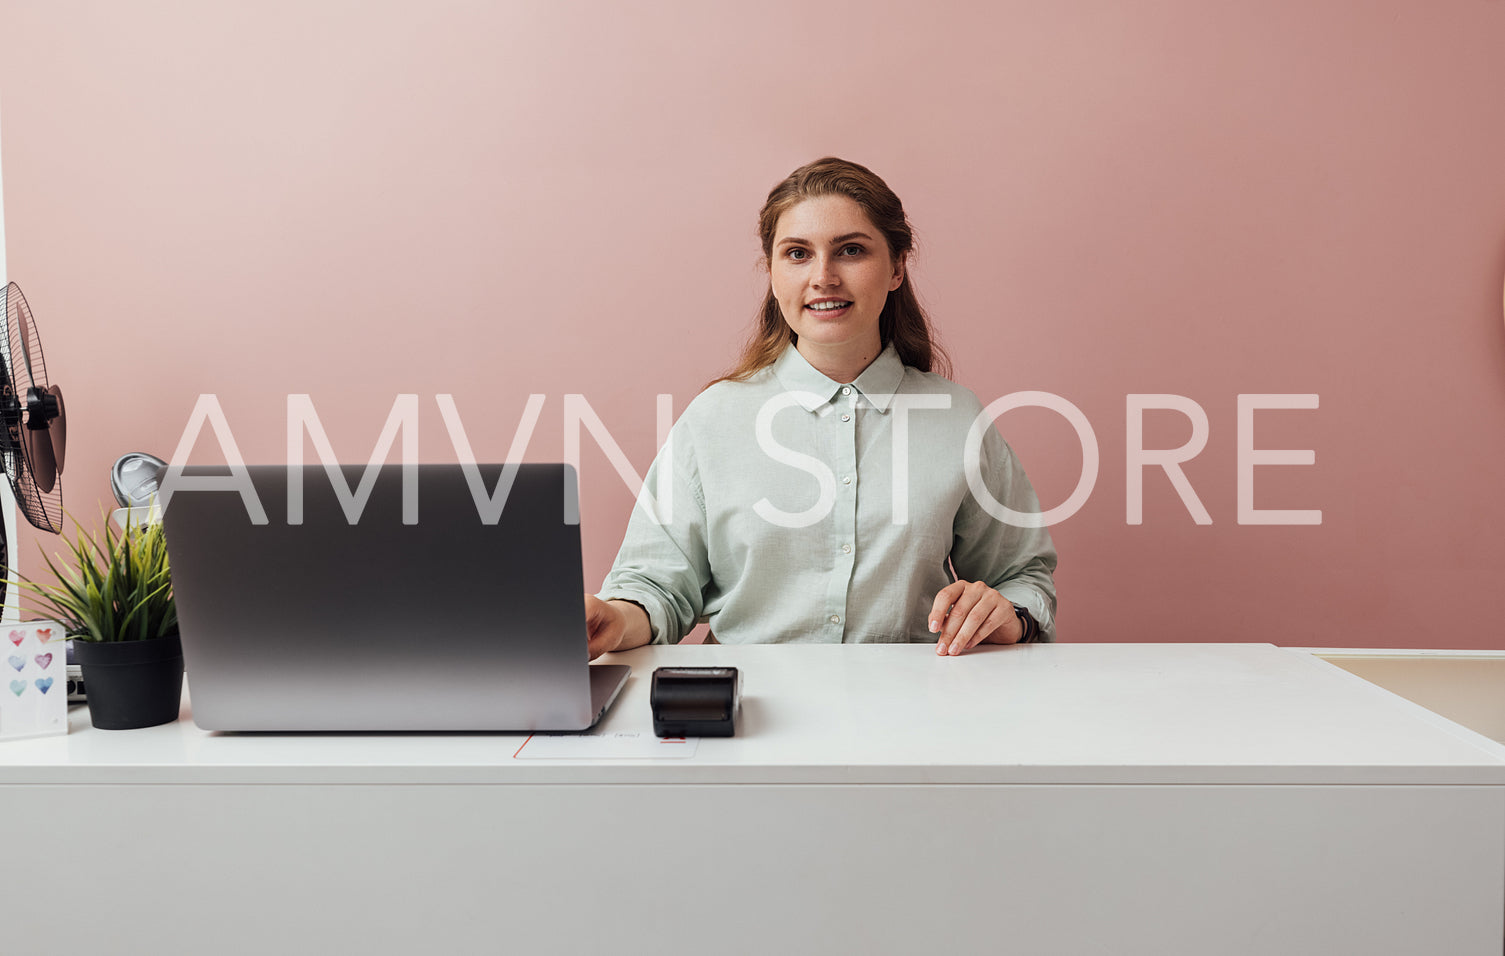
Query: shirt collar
pixel 877 383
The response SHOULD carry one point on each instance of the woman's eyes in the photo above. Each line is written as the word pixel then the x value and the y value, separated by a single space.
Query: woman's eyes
pixel 850 251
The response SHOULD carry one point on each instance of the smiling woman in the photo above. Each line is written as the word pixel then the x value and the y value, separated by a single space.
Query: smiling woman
pixel 805 507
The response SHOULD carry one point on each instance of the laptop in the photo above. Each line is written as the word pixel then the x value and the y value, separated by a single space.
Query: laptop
pixel 403 598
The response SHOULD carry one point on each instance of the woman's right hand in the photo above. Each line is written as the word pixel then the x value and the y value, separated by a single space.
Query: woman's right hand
pixel 604 626
pixel 614 626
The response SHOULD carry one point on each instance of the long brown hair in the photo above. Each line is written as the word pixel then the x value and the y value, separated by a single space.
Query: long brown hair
pixel 902 323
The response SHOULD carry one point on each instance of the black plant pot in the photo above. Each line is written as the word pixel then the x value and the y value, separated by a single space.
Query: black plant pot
pixel 132 684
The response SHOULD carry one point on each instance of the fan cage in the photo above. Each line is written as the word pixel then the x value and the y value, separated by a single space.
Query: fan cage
pixel 43 509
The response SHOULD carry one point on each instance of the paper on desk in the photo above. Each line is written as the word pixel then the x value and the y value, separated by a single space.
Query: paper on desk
pixel 33 680
pixel 604 747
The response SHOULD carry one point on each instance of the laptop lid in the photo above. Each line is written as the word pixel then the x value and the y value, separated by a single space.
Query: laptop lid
pixel 385 599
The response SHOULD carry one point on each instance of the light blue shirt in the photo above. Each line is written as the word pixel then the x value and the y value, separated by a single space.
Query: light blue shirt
pixel 802 510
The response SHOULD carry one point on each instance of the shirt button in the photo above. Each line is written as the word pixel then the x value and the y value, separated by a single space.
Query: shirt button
pixel 846 418
pixel 846 549
pixel 846 391
pixel 835 618
pixel 847 480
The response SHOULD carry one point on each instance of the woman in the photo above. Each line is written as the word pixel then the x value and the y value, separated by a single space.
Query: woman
pixel 826 489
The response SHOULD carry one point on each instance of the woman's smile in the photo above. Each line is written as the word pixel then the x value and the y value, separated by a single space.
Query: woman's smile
pixel 829 308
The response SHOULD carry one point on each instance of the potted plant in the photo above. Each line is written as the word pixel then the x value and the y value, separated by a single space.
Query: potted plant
pixel 117 604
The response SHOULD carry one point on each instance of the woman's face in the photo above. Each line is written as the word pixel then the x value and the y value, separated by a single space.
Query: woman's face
pixel 831 273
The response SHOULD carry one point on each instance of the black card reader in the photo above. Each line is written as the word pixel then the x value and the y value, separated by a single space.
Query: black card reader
pixel 695 701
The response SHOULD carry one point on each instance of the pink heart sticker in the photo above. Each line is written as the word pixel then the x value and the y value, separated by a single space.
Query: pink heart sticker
pixel 16 637
pixel 43 660
pixel 44 634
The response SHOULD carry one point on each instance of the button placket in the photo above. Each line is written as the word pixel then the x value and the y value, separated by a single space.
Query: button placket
pixel 843 442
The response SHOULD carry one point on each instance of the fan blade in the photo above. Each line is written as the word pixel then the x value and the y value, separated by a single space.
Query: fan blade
pixel 59 429
pixel 22 312
pixel 39 456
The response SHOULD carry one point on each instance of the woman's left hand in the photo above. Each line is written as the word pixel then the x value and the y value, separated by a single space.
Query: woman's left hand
pixel 967 613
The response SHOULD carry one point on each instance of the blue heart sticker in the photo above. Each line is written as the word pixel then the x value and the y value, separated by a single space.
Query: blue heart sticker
pixel 16 661
pixel 44 684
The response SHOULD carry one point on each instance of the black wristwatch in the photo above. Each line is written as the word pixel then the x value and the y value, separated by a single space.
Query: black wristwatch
pixel 1027 621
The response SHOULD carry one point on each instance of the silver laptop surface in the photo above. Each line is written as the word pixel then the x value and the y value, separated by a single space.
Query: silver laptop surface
pixel 386 606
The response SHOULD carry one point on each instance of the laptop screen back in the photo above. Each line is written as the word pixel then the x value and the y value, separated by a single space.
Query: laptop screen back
pixel 384 614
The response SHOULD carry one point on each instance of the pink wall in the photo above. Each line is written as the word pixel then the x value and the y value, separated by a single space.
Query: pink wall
pixel 356 199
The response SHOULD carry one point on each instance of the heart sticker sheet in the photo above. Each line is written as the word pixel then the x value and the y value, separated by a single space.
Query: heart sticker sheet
pixel 33 680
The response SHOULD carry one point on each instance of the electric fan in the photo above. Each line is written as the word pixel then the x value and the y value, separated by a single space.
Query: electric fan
pixel 33 425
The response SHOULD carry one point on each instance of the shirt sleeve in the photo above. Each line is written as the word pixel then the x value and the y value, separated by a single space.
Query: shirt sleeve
pixel 1019 562
pixel 663 563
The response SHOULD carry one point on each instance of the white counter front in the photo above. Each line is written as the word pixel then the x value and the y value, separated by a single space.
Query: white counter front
pixel 1052 798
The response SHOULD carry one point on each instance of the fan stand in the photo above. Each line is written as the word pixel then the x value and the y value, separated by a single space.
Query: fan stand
pixel 12 611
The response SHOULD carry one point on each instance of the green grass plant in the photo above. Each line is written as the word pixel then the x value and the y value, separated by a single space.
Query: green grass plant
pixel 116 585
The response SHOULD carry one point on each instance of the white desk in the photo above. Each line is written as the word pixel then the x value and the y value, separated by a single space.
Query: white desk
pixel 1040 799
